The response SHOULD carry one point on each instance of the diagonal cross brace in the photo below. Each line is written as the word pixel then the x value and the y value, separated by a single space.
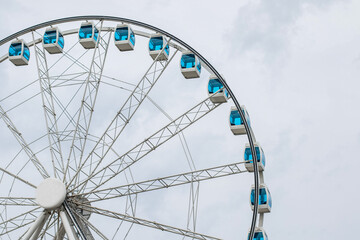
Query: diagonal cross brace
pixel 147 223
pixel 88 102
pixel 49 110
pixel 124 115
pixel 23 144
pixel 148 145
pixel 165 182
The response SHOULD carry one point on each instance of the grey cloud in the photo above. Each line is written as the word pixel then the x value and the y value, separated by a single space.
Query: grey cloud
pixel 311 159
pixel 264 26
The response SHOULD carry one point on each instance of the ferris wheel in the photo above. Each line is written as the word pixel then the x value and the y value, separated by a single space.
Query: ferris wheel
pixel 87 139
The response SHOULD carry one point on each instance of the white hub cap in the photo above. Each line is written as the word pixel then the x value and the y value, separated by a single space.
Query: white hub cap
pixel 51 193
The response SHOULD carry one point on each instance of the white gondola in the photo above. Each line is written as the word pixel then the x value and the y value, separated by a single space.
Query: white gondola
pixel 259 234
pixel 259 155
pixel 53 40
pixel 19 53
pixel 265 201
pixel 236 123
pixel 124 37
pixel 88 35
pixel 213 86
pixel 190 65
pixel 157 43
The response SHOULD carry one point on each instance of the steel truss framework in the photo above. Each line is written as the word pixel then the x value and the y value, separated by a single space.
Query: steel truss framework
pixel 125 114
pixel 49 110
pixel 86 172
pixel 88 100
pixel 146 223
pixel 164 182
pixel 149 144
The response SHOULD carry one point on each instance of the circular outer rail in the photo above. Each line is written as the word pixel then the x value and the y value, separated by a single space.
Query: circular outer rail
pixel 249 133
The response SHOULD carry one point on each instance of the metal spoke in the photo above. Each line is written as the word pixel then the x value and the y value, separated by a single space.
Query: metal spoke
pixel 35 229
pixel 150 144
pixel 88 223
pixel 193 204
pixel 74 76
pixel 81 228
pixel 49 110
pixel 164 182
pixel 23 144
pixel 194 190
pixel 22 103
pixel 17 177
pixel 17 222
pixel 50 223
pixel 88 101
pixel 67 226
pixel 130 207
pixel 65 112
pixel 17 201
pixel 126 112
pixel 18 91
pixel 146 223
pixel 61 233
pixel 14 228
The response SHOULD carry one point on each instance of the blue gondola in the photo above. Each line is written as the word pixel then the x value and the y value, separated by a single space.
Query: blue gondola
pixel 124 37
pixel 259 234
pixel 88 35
pixel 19 53
pixel 157 43
pixel 53 40
pixel 265 201
pixel 236 123
pixel 213 86
pixel 190 65
pixel 259 155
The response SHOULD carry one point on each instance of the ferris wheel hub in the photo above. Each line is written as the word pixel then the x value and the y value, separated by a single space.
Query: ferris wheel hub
pixel 51 193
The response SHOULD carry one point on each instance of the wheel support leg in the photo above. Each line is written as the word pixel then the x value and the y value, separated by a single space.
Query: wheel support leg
pixel 68 229
pixel 35 229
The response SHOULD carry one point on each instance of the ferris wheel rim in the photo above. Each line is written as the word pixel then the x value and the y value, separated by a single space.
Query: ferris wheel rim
pixel 249 132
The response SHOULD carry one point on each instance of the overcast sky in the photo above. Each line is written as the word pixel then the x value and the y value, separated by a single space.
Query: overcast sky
pixel 295 65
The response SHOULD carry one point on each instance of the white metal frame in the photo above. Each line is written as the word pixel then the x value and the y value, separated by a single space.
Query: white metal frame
pixel 99 177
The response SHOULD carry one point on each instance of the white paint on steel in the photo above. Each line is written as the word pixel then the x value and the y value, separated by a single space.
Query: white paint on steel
pixel 68 229
pixel 38 222
pixel 51 193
